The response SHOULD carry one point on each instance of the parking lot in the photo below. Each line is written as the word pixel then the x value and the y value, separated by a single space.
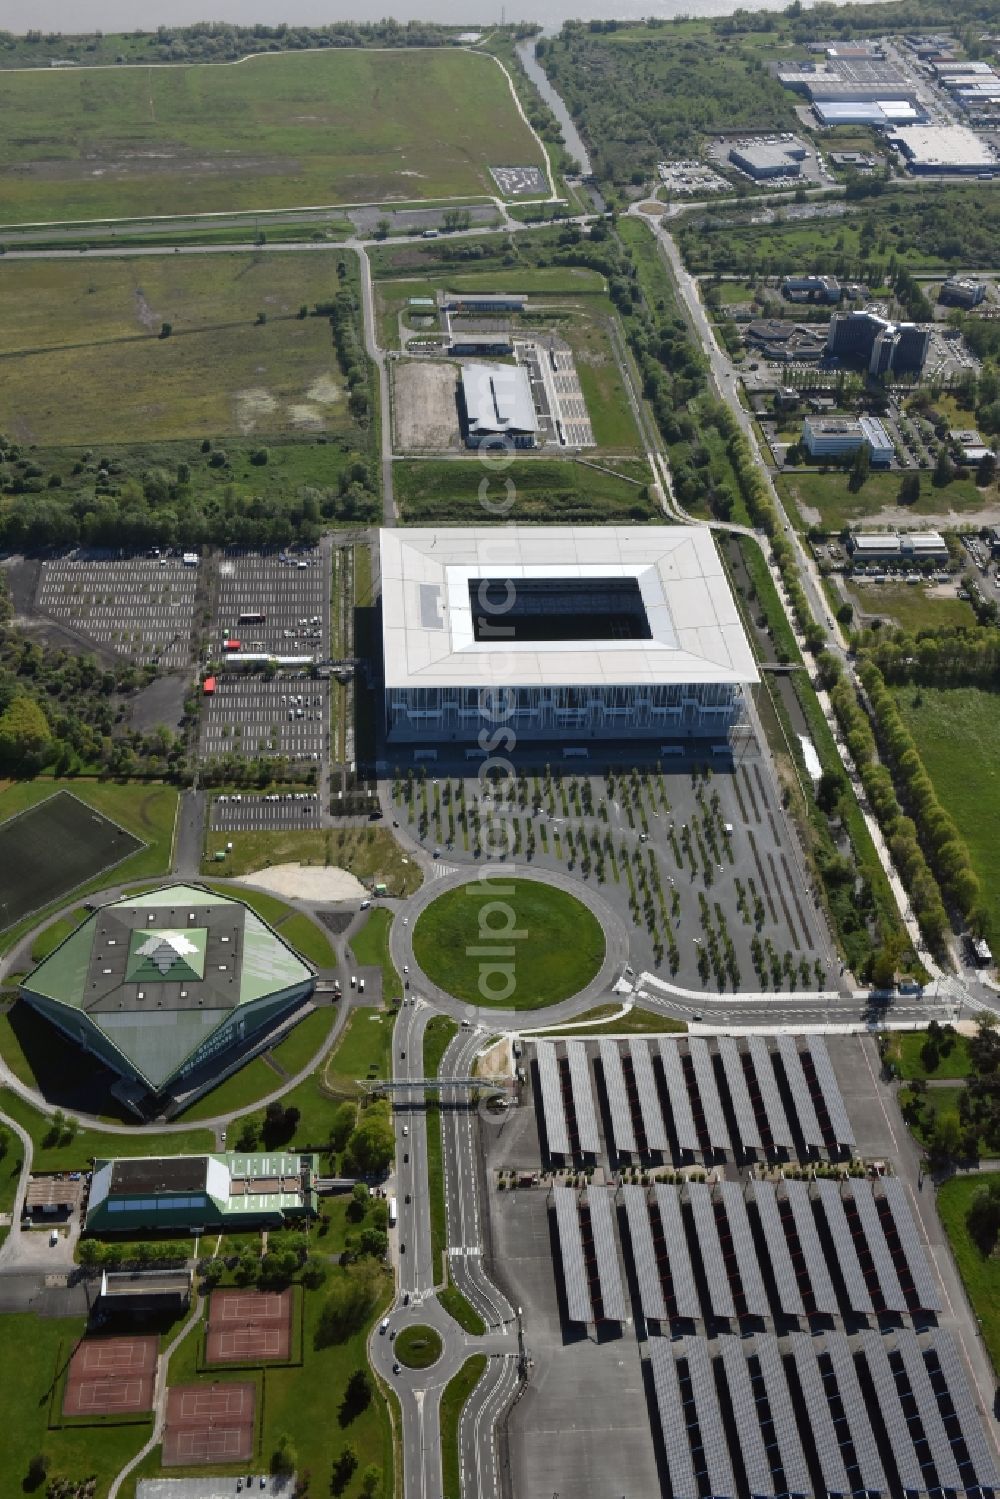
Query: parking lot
pixel 691 178
pixel 558 395
pixel 516 182
pixel 275 602
pixel 140 607
pixel 243 812
pixel 284 717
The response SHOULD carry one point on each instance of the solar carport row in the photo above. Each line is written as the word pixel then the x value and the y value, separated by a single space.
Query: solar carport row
pixel 622 1126
pixel 830 1089
pixel 785 1278
pixel 811 1261
pixel 713 1263
pixel 680 1103
pixel 844 1251
pixel 653 1126
pixel 676 1441
pixel 675 1247
pixel 704 1420
pixel 708 1092
pixel 899 1430
pixel 739 1093
pixel 575 1278
pixel 741 1247
pixel 774 1109
pixel 830 1434
pixel 962 1422
pixel 840 1378
pixel 609 1276
pixel 583 1098
pixel 809 1126
pixel 925 1287
pixel 556 1132
pixel 870 1223
pixel 647 1267
pixel 764 1419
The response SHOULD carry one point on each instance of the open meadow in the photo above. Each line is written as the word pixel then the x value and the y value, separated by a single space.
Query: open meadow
pixel 83 359
pixel 826 499
pixel 955 729
pixel 348 126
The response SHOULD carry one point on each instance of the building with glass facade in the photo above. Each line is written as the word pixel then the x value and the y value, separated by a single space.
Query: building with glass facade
pixel 559 633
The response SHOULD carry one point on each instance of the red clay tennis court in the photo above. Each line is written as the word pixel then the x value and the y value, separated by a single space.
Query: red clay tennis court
pixel 246 1326
pixel 209 1423
pixel 111 1375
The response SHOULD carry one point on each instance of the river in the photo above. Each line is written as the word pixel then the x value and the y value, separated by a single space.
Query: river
pixel 146 15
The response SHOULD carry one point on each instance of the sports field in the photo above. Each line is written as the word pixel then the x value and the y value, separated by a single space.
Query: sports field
pixel 559 949
pixel 350 126
pixel 50 849
pixel 955 729
pixel 82 359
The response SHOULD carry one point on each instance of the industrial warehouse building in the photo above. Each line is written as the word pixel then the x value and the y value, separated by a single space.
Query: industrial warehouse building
pixel 168 985
pixel 186 1193
pixel 914 546
pixel 497 406
pixel 763 160
pixel 562 633
pixel 945 150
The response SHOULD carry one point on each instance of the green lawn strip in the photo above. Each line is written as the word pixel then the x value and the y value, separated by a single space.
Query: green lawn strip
pixel 241 1091
pixel 910 607
pixel 268 907
pixel 147 811
pixel 76 1155
pixel 372 854
pixel 57 931
pixel 955 730
pixel 437 1036
pixel 936 1101
pixel 418 1346
pixel 562 947
pixel 306 119
pixel 556 490
pixel 32 1351
pixel 980 1273
pixel 459 1307
pixel 768 599
pixel 637 1022
pixel 906 1048
pixel 308 939
pixel 453 1398
pixel 370 947
pixel 301 1044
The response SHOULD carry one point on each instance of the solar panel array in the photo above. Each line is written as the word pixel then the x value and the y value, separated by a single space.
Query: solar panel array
pixel 891 1411
pixel 922 1403
pixel 647 1268
pixel 802 1098
pixel 715 1461
pixel 676 1442
pixel 622 1127
pixel 752 1449
pixel 774 1109
pixel 739 1093
pixel 844 1252
pixel 891 1290
pixel 608 1269
pixel 747 1264
pixel 829 1087
pixel 855 1408
pixel 707 1234
pixel 583 1098
pixel 924 1285
pixel 951 1386
pixel 778 1254
pixel 813 1259
pixel 556 1132
pixel 574 1266
pixel 675 1243
pixel 708 1091
pixel 830 1436
pixel 680 1102
pixel 653 1125
pixel 772 1375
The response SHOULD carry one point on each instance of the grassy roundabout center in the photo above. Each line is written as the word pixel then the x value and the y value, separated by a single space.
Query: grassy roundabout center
pixel 418 1347
pixel 519 944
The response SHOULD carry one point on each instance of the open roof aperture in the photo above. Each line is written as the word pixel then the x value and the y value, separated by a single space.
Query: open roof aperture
pixel 557 609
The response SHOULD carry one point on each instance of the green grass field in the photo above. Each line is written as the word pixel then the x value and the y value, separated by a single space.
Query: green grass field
pixel 301 1045
pixel 76 1154
pixel 348 126
pixel 31 1352
pixel 637 1022
pixel 370 853
pixel 905 1050
pixel 71 332
pixel 462 1310
pixel 955 729
pixel 418 1347
pixel 554 490
pixel 371 946
pixel 980 1274
pixel 57 931
pixel 308 939
pixel 826 499
pixel 562 944
pixel 456 1393
pixel 50 849
pixel 147 812
pixel 911 608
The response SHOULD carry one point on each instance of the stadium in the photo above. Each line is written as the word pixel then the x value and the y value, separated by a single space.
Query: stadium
pixel 560 633
pixel 167 986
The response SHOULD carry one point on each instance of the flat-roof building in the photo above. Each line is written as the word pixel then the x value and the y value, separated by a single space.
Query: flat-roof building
pixel 880 114
pixel 221 1191
pixel 498 406
pixel 763 159
pixel 913 546
pixel 945 149
pixel 840 436
pixel 559 632
pixel 811 288
pixel 962 291
pixel 165 986
pixel 481 301
pixel 882 346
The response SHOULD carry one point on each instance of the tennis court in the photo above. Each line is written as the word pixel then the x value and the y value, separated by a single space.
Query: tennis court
pixel 247 1326
pixel 111 1375
pixel 48 850
pixel 209 1423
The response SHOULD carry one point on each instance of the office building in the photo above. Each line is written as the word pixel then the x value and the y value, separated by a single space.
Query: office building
pixel 841 436
pixel 962 291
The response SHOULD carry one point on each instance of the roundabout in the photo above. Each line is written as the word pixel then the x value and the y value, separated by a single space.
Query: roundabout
pixel 522 943
pixel 418 1346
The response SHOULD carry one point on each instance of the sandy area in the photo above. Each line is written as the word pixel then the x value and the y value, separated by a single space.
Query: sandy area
pixel 425 414
pixel 306 882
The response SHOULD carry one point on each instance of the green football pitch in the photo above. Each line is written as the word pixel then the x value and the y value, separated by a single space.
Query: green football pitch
pixel 50 849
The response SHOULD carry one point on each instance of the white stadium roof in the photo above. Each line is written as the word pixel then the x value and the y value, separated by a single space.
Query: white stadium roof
pixel 428 635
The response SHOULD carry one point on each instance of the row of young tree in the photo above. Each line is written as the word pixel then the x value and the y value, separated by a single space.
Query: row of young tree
pixel 957 656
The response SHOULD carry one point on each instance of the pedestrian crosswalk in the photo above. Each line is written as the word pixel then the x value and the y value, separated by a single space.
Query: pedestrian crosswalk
pixel 440 870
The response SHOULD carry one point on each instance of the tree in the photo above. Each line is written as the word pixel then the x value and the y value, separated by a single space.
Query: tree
pixel 4 1141
pixel 861 467
pixel 382 228
pixel 343 1123
pixel 946 1138
pixel 829 791
pixel 283 1458
pixel 166 329
pixel 983 1217
pixel 24 732
pixel 357 1396
pixel 344 1467
pixel 37 1469
pixel 371 1481
pixel 372 1143
pixel 986 471
pixel 349 1303
pixel 944 469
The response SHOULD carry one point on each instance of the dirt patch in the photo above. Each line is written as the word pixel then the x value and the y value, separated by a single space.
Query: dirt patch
pixel 252 406
pixel 307 882
pixel 139 164
pixel 306 418
pixel 145 314
pixel 325 390
pixel 424 407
